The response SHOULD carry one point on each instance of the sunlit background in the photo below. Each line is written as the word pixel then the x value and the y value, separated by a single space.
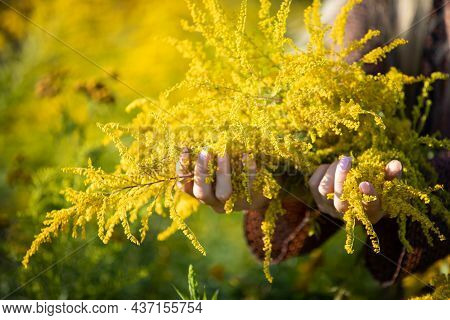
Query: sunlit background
pixel 59 65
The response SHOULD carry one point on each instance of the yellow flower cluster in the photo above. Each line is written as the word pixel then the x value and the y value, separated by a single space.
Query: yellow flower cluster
pixel 262 96
pixel 268 228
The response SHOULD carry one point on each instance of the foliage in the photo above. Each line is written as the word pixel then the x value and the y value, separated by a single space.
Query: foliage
pixel 47 121
pixel 296 107
pixel 40 134
pixel 441 289
pixel 194 292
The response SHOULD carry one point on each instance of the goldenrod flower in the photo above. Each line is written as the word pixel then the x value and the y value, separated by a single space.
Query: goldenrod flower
pixel 254 95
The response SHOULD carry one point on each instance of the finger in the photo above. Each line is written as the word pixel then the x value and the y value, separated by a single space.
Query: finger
pixel 342 170
pixel 223 178
pixel 326 185
pixel 323 205
pixel 372 208
pixel 202 189
pixel 317 176
pixel 394 170
pixel 185 182
pixel 314 182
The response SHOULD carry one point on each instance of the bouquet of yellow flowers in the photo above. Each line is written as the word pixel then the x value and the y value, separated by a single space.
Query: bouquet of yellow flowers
pixel 260 94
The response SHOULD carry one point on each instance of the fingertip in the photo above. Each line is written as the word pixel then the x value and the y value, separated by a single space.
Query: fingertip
pixel 371 208
pixel 198 192
pixel 345 164
pixel 202 162
pixel 394 170
pixel 366 188
pixel 223 195
pixel 185 150
pixel 223 178
pixel 203 155
pixel 342 170
pixel 339 205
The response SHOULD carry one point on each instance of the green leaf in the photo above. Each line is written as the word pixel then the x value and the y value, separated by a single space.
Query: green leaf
pixel 215 295
pixel 193 284
pixel 182 296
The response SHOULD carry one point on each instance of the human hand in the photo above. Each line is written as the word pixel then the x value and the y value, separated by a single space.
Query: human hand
pixel 216 194
pixel 329 178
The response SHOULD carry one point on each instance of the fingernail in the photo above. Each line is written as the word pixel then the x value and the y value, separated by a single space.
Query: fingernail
pixel 395 166
pixel 185 150
pixel 366 187
pixel 203 156
pixel 345 163
pixel 184 156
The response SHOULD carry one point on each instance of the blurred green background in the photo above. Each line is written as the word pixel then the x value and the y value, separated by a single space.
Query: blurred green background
pixel 50 101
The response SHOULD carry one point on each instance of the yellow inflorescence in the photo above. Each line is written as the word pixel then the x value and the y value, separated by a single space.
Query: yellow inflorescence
pixel 284 107
pixel 268 228
pixel 338 29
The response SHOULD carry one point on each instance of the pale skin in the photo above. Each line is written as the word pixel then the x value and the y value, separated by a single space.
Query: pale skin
pixel 327 178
